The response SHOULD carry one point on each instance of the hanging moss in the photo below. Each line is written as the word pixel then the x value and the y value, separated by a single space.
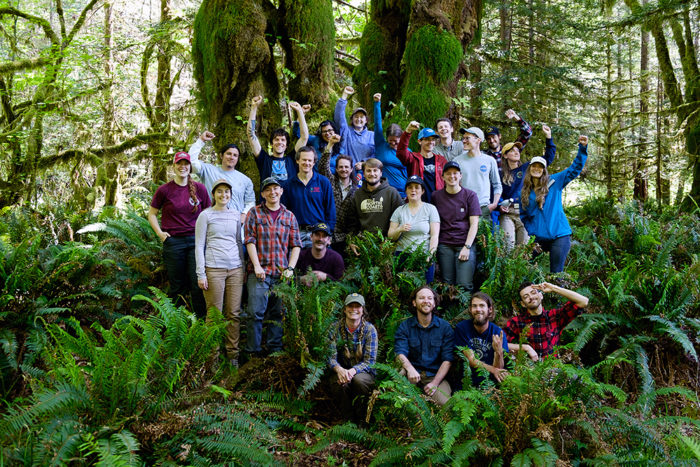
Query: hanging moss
pixel 229 48
pixel 435 52
pixel 308 41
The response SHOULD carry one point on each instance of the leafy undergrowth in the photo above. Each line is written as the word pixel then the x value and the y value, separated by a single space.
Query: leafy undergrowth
pixel 91 377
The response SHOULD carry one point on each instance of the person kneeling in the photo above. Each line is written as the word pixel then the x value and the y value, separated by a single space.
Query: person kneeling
pixel 353 355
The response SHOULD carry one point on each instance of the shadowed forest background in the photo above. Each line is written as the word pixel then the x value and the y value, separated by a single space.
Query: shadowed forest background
pixel 98 366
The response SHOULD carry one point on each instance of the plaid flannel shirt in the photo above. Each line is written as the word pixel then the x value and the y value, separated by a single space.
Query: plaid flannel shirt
pixel 357 349
pixel 273 240
pixel 523 138
pixel 546 328
pixel 341 207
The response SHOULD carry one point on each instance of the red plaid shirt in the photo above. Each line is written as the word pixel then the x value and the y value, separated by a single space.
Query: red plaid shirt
pixel 546 328
pixel 273 239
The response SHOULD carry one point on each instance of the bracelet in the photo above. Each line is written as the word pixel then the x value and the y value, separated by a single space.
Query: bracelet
pixel 468 247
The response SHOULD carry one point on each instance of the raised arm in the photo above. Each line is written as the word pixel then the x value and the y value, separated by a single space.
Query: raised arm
pixel 579 162
pixel 339 114
pixel 378 129
pixel 525 130
pixel 402 151
pixel 196 149
pixel 303 128
pixel 579 300
pixel 550 150
pixel 252 137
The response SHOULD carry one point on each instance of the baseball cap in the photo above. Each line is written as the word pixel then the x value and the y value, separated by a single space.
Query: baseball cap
pixel 492 130
pixel 355 298
pixel 181 156
pixel 321 227
pixel 473 130
pixel 451 165
pixel 221 181
pixel 269 181
pixel 539 160
pixel 510 146
pixel 427 133
pixel 415 179
pixel 359 109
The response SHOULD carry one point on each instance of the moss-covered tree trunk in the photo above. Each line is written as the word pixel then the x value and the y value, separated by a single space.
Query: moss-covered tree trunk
pixel 233 61
pixel 412 52
pixel 309 40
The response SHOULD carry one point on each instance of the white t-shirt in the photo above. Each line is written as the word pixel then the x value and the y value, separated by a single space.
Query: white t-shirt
pixel 419 235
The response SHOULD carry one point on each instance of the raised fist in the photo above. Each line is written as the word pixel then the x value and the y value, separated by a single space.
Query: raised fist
pixel 510 113
pixel 256 101
pixel 413 126
pixel 295 106
pixel 349 90
pixel 547 131
pixel 378 97
pixel 207 136
pixel 306 108
pixel 583 140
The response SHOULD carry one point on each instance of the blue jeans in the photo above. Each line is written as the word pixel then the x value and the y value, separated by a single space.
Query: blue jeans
pixel 263 305
pixel 558 251
pixel 178 257
pixel 455 271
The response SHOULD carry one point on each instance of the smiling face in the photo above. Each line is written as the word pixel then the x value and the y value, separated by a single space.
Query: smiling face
pixel 494 141
pixel 424 302
pixel 513 155
pixel 353 311
pixel 326 132
pixel 222 195
pixel 471 141
pixel 373 175
pixel 320 240
pixel 393 142
pixel 343 169
pixel 536 170
pixel 444 129
pixel 479 311
pixel 427 144
pixel 452 177
pixel 279 145
pixel 531 299
pixel 306 161
pixel 272 194
pixel 182 169
pixel 359 120
pixel 229 159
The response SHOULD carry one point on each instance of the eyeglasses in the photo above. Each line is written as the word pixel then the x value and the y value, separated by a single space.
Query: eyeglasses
pixel 330 130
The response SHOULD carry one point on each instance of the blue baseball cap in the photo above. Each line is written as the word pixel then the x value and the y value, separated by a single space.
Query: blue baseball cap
pixel 417 180
pixel 427 133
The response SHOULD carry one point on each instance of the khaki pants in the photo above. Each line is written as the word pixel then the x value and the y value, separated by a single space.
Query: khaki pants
pixel 513 227
pixel 443 393
pixel 225 291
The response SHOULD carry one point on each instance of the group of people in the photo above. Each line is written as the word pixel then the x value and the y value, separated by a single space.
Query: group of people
pixel 426 346
pixel 335 185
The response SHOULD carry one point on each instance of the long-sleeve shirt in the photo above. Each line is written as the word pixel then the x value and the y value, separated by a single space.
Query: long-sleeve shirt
pixel 480 174
pixel 242 191
pixel 550 222
pixel 523 138
pixel 512 190
pixel 394 170
pixel 217 240
pixel 415 162
pixel 357 144
pixel 545 329
pixel 273 239
pixel 426 348
pixel 449 152
pixel 340 194
pixel 357 349
pixel 311 203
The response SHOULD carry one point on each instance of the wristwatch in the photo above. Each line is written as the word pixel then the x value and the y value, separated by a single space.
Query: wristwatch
pixel 468 247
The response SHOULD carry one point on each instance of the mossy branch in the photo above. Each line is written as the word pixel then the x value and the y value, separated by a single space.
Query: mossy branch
pixel 41 22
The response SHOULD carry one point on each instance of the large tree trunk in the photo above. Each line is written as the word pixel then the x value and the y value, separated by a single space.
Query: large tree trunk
pixel 309 42
pixel 233 62
pixel 641 182
pixel 111 166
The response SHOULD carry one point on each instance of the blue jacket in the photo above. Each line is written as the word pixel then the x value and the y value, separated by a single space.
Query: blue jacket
pixel 394 170
pixel 357 144
pixel 311 203
pixel 550 222
pixel 513 190
pixel 425 348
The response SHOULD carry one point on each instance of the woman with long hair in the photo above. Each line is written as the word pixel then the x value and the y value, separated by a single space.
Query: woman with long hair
pixel 181 200
pixel 219 254
pixel 512 172
pixel 542 210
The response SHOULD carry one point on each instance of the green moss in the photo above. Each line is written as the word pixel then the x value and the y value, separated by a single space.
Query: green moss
pixel 692 139
pixel 435 52
pixel 424 101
